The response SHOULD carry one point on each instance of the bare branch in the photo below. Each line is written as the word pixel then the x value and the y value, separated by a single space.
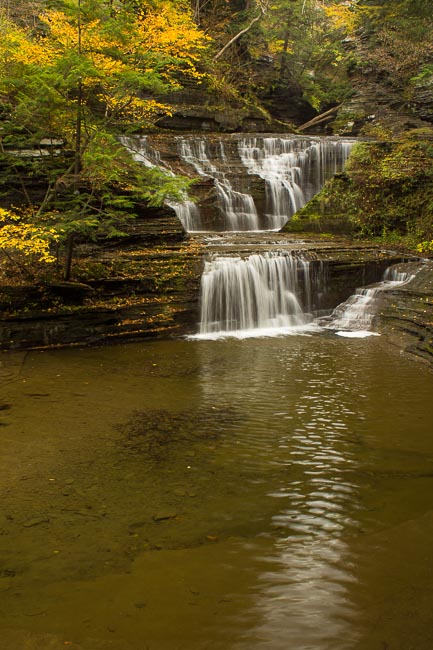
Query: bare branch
pixel 238 35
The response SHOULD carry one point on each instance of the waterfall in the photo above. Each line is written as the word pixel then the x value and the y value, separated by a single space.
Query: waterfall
pixel 237 207
pixel 187 212
pixel 259 295
pixel 294 170
pixel 253 184
pixel 354 317
pixel 142 152
pixel 278 293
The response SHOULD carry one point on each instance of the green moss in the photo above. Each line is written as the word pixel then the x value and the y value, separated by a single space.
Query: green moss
pixel 386 193
pixel 326 212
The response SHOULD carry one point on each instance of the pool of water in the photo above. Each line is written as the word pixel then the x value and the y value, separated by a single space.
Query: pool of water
pixel 226 495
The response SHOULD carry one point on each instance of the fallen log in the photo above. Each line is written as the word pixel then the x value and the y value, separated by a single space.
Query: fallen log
pixel 327 115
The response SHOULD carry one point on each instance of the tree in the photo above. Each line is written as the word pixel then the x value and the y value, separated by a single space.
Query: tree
pixel 307 43
pixel 262 7
pixel 89 72
pixel 19 235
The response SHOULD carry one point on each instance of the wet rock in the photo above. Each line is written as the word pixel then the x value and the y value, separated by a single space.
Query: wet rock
pixel 137 524
pixel 164 515
pixel 36 521
pixel 7 573
pixel 406 312
pixel 156 296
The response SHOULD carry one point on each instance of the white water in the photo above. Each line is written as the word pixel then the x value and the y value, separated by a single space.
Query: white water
pixel 142 152
pixel 273 295
pixel 354 318
pixel 140 149
pixel 292 168
pixel 261 295
pixel 238 208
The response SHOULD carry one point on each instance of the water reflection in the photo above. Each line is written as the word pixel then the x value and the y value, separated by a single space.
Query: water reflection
pixel 228 495
pixel 304 594
pixel 305 599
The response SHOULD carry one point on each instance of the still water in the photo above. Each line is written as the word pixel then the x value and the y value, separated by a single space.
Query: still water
pixel 262 494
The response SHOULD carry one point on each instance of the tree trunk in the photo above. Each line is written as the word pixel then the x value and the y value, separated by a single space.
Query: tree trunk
pixel 69 256
pixel 78 125
pixel 283 60
pixel 77 167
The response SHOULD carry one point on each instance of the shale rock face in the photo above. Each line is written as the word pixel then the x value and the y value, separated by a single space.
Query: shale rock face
pixel 422 100
pixel 137 293
pixel 131 293
pixel 406 312
pixel 376 103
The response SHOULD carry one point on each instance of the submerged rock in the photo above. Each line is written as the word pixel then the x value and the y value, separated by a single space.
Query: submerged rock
pixel 164 515
pixel 36 521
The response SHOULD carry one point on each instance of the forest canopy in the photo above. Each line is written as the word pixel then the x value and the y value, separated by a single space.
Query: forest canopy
pixel 73 77
pixel 76 74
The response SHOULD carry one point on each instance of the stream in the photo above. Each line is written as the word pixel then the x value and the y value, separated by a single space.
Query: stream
pixel 265 493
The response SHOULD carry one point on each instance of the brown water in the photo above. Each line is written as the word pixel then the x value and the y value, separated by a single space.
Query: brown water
pixel 265 494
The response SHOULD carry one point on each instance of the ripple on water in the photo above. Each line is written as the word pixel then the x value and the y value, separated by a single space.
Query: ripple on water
pixel 226 491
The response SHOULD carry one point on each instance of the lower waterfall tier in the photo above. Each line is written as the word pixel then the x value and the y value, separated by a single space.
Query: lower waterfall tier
pixel 280 293
pixel 259 293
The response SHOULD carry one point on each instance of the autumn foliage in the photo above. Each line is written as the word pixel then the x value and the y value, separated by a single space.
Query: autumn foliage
pixel 78 77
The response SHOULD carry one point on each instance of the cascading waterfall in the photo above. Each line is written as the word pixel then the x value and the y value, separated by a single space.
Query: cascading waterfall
pixel 292 168
pixel 237 207
pixel 186 211
pixel 142 152
pixel 277 293
pixel 354 317
pixel 261 294
pixel 271 293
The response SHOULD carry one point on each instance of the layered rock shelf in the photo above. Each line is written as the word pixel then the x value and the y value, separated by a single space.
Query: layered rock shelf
pixel 147 284
pixel 154 292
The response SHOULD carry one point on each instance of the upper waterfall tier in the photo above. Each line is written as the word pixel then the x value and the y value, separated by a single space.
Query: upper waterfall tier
pixel 245 183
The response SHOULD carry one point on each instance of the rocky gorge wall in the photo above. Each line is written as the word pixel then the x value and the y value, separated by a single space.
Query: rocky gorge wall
pixel 154 292
pixel 405 314
pixel 147 284
pixel 129 293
